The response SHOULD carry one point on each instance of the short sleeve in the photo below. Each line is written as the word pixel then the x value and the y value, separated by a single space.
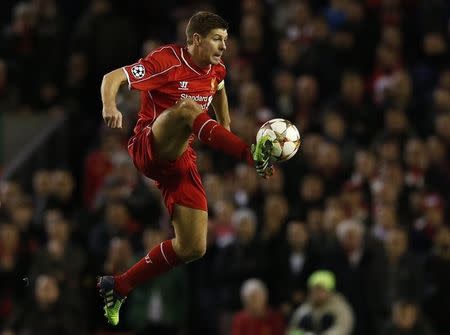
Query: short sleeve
pixel 150 72
pixel 221 73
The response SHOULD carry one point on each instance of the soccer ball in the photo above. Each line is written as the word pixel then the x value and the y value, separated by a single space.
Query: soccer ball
pixel 286 136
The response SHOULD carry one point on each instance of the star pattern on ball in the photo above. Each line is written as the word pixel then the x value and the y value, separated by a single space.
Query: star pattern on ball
pixel 138 71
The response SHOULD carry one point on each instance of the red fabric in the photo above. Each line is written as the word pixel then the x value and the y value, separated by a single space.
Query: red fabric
pixel 217 137
pixel 167 75
pixel 159 260
pixel 179 180
pixel 97 166
pixel 245 324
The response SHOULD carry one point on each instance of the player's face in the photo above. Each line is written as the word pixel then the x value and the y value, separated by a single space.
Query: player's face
pixel 213 46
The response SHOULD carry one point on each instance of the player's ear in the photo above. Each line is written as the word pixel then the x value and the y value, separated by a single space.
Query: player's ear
pixel 196 39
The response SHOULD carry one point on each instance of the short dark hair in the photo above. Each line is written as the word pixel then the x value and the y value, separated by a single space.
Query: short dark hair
pixel 202 23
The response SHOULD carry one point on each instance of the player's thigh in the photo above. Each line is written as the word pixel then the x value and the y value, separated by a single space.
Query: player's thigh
pixel 171 130
pixel 191 228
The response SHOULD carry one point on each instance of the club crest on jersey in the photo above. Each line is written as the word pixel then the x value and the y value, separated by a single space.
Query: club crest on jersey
pixel 213 84
pixel 138 71
pixel 183 85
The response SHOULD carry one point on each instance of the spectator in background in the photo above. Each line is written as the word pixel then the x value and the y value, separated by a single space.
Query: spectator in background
pixel 405 277
pixel 325 312
pixel 360 269
pixel 426 227
pixel 437 277
pixel 257 317
pixel 407 320
pixel 46 313
pixel 297 261
pixel 159 307
pixel 245 257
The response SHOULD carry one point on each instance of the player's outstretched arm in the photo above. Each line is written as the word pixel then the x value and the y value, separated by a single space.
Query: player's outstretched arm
pixel 220 105
pixel 110 85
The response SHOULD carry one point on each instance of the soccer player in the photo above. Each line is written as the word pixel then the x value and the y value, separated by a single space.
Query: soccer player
pixel 177 84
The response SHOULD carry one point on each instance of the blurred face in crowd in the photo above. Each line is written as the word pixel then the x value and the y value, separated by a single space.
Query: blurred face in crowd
pixel 58 230
pixel 301 13
pixel 63 184
pixel 405 315
pixel 251 98
pixel 319 295
pixel 434 44
pixel 416 156
pixel 223 211
pixel 328 157
pixel 9 237
pixel 352 88
pixel 389 151
pixel 395 121
pixel 22 214
pixel 246 179
pixel 284 83
pixel 10 193
pixel 350 236
pixel 392 37
pixel 365 164
pixel 120 253
pixel 396 243
pixel 435 149
pixel 245 229
pixel 275 208
pixel 385 216
pixel 255 302
pixel 442 124
pixel 251 33
pixel 314 219
pixel 42 182
pixel 116 215
pixel 288 52
pixel 387 57
pixel 334 126
pixel 46 290
pixel 333 214
pixel 401 88
pixel 214 187
pixel 297 235
pixel 307 90
pixel 312 188
pixel 442 242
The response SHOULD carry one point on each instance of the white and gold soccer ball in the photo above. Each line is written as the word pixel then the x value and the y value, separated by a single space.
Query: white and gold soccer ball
pixel 285 136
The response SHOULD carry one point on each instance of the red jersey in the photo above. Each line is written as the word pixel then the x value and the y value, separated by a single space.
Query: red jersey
pixel 167 75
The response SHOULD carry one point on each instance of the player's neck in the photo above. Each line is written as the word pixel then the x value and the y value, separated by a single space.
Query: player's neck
pixel 196 58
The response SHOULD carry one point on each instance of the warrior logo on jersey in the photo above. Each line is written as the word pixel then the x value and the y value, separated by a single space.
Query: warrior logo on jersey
pixel 183 85
pixel 138 71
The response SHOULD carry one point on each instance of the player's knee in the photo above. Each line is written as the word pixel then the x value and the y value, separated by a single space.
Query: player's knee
pixel 192 252
pixel 187 110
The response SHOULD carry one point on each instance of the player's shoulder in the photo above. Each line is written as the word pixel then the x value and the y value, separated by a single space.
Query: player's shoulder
pixel 167 55
pixel 219 69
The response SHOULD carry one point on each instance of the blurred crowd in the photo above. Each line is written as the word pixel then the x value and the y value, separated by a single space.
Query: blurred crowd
pixel 351 236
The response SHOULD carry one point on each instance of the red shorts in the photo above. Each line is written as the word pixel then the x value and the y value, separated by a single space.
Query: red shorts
pixel 179 180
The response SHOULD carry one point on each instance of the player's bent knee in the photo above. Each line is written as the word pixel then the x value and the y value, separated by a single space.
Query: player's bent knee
pixel 187 110
pixel 192 252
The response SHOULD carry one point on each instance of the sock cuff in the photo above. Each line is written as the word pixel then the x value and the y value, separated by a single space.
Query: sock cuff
pixel 200 123
pixel 168 253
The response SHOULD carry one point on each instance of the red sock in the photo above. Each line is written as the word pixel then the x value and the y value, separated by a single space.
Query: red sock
pixel 160 259
pixel 217 137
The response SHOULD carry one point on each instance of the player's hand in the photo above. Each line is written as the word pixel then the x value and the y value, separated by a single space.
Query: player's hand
pixel 112 116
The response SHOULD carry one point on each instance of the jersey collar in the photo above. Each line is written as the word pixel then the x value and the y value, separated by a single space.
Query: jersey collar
pixel 187 59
